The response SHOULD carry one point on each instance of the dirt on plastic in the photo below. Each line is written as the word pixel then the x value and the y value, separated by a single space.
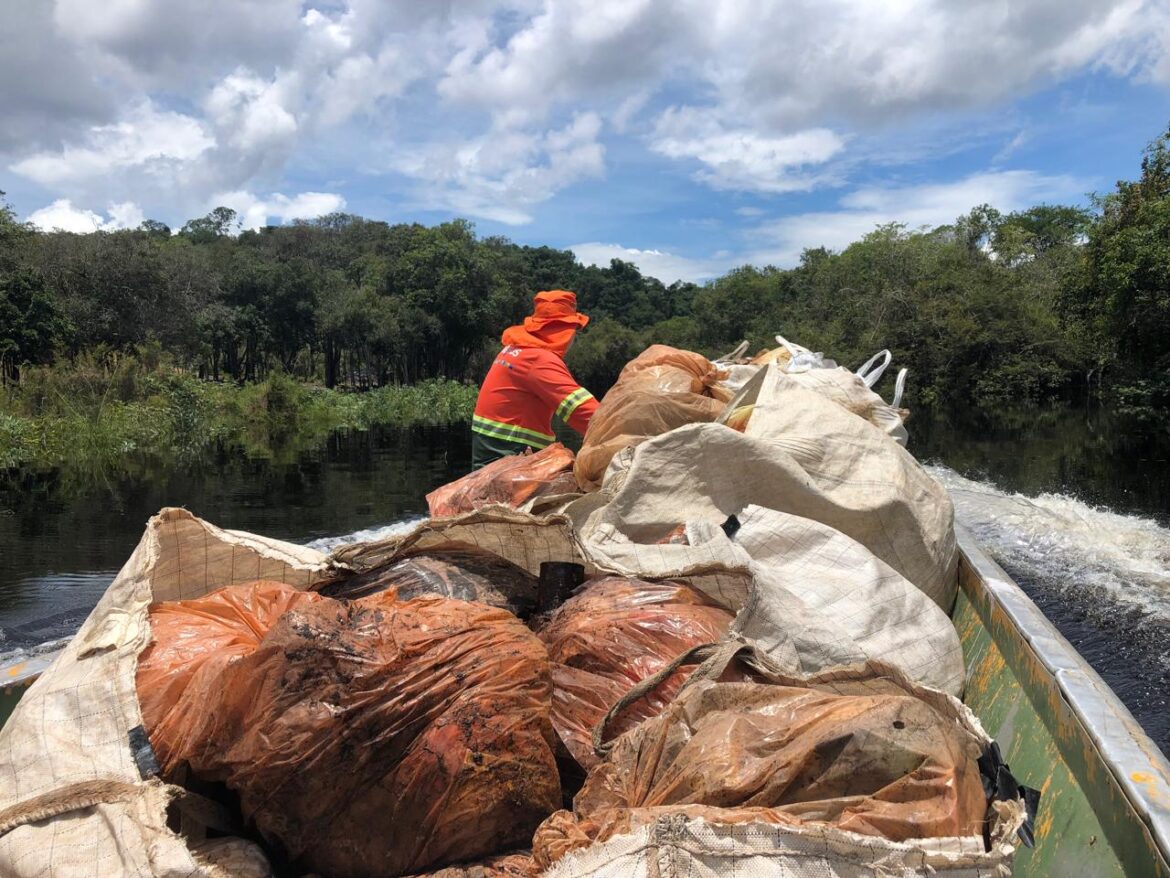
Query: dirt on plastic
pixel 614 633
pixel 381 737
pixel 885 765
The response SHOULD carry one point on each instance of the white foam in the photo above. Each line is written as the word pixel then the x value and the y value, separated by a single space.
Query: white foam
pixel 1067 543
pixel 381 532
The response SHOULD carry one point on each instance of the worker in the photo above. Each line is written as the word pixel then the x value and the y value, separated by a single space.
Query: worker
pixel 529 382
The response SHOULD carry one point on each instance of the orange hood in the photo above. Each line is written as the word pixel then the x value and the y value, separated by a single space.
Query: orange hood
pixel 551 326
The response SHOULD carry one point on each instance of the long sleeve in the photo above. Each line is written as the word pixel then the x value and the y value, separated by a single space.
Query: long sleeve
pixel 557 388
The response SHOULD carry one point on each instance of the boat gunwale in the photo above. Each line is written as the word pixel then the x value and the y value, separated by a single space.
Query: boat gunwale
pixel 1139 767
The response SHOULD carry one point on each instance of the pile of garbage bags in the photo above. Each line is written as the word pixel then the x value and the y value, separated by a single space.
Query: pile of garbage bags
pixel 757 668
pixel 861 752
pixel 660 389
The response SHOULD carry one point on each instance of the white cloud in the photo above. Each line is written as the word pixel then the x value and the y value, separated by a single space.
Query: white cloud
pixel 62 215
pixel 250 110
pixel 667 267
pixel 770 96
pixel 739 158
pixel 502 175
pixel 254 212
pixel 781 241
pixel 145 140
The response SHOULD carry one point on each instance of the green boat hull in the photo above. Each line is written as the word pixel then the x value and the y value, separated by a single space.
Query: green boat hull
pixel 1105 788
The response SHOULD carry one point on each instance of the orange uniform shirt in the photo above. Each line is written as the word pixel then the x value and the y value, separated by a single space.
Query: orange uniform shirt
pixel 523 390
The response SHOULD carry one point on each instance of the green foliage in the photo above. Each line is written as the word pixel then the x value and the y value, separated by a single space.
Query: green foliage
pixel 599 353
pixel 1037 303
pixel 95 414
pixel 1124 302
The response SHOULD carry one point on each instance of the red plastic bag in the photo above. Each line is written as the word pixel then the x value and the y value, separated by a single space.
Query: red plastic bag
pixel 613 634
pixel 193 641
pixel 384 737
pixel 511 481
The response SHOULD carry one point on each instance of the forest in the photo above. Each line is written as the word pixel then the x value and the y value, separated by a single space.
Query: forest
pixel 1053 301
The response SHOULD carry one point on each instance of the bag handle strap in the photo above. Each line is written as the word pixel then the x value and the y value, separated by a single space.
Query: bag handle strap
pixel 739 351
pixel 899 387
pixel 871 373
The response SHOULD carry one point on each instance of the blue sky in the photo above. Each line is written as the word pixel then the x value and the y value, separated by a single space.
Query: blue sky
pixel 685 136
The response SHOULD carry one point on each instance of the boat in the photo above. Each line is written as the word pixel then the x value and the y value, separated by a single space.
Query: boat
pixel 1104 786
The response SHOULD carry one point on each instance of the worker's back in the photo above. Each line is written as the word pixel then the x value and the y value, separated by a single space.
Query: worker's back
pixel 524 389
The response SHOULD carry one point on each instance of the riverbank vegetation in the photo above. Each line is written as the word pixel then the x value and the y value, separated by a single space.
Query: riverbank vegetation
pixel 102 408
pixel 1054 301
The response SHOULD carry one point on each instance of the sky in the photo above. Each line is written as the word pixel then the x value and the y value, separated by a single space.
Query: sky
pixel 686 136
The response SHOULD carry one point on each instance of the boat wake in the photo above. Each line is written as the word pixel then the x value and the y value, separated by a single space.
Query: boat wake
pixel 1102 579
pixel 1068 545
pixel 395 528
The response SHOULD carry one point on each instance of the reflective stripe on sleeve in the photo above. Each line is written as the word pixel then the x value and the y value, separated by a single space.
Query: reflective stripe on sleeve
pixel 569 403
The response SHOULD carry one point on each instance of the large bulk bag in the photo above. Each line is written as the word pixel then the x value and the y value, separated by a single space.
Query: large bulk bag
pixel 805 589
pixel 801 454
pixel 613 634
pixel 660 389
pixel 853 771
pixel 852 393
pixel 520 538
pixel 514 480
pixel 78 782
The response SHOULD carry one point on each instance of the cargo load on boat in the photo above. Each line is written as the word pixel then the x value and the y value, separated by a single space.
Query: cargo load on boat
pixel 759 669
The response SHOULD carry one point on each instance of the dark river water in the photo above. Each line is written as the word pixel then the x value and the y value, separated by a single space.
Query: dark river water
pixel 1072 502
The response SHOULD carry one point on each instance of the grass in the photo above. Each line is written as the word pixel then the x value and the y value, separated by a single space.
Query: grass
pixel 88 415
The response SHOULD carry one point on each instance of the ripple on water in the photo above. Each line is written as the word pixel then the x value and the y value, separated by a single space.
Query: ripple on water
pixel 1102 578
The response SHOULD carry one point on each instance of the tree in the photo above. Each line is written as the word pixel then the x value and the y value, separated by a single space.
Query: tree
pixel 30 324
pixel 220 223
pixel 1126 297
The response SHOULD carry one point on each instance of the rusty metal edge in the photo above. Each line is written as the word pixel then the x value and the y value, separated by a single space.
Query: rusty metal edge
pixel 1141 770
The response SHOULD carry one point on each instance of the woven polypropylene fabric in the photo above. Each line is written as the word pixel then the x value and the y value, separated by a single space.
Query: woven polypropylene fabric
pixel 675 847
pixel 74 723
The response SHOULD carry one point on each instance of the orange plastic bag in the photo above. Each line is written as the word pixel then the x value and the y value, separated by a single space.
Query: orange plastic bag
pixel 660 389
pixel 612 635
pixel 670 370
pixel 511 481
pixel 384 737
pixel 883 764
pixel 193 641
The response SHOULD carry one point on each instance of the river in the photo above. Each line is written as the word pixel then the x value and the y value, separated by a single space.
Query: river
pixel 1071 501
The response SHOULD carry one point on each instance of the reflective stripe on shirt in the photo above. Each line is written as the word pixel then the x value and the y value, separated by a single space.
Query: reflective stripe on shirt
pixel 510 432
pixel 569 403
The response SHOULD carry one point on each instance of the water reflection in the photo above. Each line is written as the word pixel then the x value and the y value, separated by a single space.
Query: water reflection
pixel 64 534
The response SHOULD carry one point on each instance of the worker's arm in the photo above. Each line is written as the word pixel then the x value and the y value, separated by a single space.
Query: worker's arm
pixel 555 385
